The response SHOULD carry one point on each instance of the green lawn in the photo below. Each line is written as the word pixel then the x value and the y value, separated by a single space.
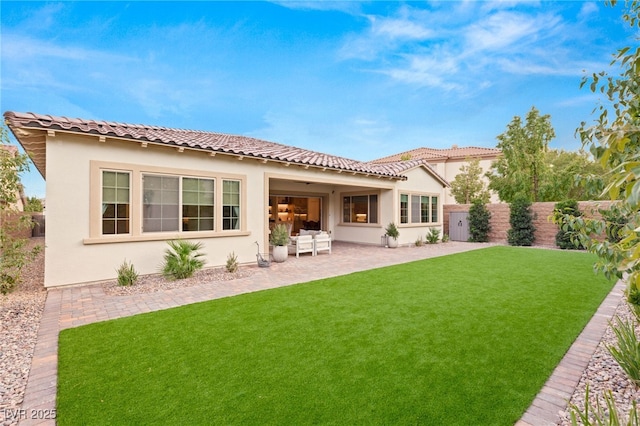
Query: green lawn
pixel 465 339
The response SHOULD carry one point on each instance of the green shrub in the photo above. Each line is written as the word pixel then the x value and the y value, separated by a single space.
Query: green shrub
pixel 479 225
pixel 445 238
pixel 232 262
pixel 627 354
pixel 182 259
pixel 522 232
pixel 419 241
pixel 433 235
pixel 600 416
pixel 127 274
pixel 392 230
pixel 563 236
pixel 279 235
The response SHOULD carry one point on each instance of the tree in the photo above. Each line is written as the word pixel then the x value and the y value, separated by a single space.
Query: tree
pixel 522 232
pixel 479 222
pixel 13 253
pixel 34 204
pixel 468 185
pixel 521 169
pixel 571 175
pixel 614 141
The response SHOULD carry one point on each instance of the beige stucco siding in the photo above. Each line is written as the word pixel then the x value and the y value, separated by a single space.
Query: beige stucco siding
pixel 77 252
pixel 73 257
pixel 419 182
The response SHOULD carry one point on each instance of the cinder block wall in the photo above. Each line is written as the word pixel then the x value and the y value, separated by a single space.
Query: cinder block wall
pixel 545 230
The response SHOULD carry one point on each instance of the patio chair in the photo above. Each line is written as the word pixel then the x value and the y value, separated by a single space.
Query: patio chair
pixel 304 244
pixel 322 242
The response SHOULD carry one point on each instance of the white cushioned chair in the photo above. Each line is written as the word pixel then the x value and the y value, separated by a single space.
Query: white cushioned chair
pixel 322 242
pixel 304 244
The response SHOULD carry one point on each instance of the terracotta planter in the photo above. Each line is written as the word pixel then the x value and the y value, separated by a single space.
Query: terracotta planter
pixel 280 253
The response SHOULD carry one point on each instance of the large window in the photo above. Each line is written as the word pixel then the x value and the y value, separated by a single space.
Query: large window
pixel 171 200
pixel 160 212
pixel 360 209
pixel 131 202
pixel 116 202
pixel 417 208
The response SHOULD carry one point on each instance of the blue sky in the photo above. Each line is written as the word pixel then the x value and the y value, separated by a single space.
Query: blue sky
pixel 356 79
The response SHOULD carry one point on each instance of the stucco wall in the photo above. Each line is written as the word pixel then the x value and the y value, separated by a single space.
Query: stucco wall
pixel 545 230
pixel 75 255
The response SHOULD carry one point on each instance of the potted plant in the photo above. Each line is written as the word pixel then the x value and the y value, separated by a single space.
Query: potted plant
pixel 392 234
pixel 279 240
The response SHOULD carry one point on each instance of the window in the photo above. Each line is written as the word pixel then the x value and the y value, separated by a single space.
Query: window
pixel 434 209
pixel 230 204
pixel 416 208
pixel 198 204
pixel 360 209
pixel 160 205
pixel 131 202
pixel 116 202
pixel 404 208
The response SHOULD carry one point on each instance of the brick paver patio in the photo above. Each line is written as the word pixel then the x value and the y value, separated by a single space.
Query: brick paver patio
pixel 75 306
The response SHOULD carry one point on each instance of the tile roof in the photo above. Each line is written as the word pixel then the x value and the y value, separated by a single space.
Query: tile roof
pixel 437 155
pixel 200 140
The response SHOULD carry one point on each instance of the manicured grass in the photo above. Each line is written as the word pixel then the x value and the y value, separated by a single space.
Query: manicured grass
pixel 462 339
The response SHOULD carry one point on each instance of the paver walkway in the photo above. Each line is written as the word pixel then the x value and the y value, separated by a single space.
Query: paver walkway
pixel 75 306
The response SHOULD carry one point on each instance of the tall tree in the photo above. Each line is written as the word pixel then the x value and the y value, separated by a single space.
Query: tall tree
pixel 571 175
pixel 522 167
pixel 468 186
pixel 614 140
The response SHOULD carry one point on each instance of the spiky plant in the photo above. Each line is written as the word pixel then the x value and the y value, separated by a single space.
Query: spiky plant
pixel 182 259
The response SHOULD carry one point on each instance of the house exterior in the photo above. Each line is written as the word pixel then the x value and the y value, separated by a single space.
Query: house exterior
pixel 447 162
pixel 119 191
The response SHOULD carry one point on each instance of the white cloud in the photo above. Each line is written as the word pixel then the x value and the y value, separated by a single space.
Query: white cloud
pixel 505 29
pixel 588 9
pixel 399 29
pixel 351 7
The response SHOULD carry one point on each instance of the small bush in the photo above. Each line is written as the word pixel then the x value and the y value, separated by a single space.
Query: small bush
pixel 232 262
pixel 279 235
pixel 479 222
pixel 127 274
pixel 392 230
pixel 433 235
pixel 182 259
pixel 445 238
pixel 522 232
pixel 627 354
pixel 419 241
pixel 563 237
pixel 600 416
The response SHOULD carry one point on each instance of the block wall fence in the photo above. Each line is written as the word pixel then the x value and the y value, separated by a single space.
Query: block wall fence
pixel 545 229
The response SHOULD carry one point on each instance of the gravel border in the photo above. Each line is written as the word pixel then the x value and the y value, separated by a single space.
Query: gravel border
pixel 603 374
pixel 156 282
pixel 20 313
